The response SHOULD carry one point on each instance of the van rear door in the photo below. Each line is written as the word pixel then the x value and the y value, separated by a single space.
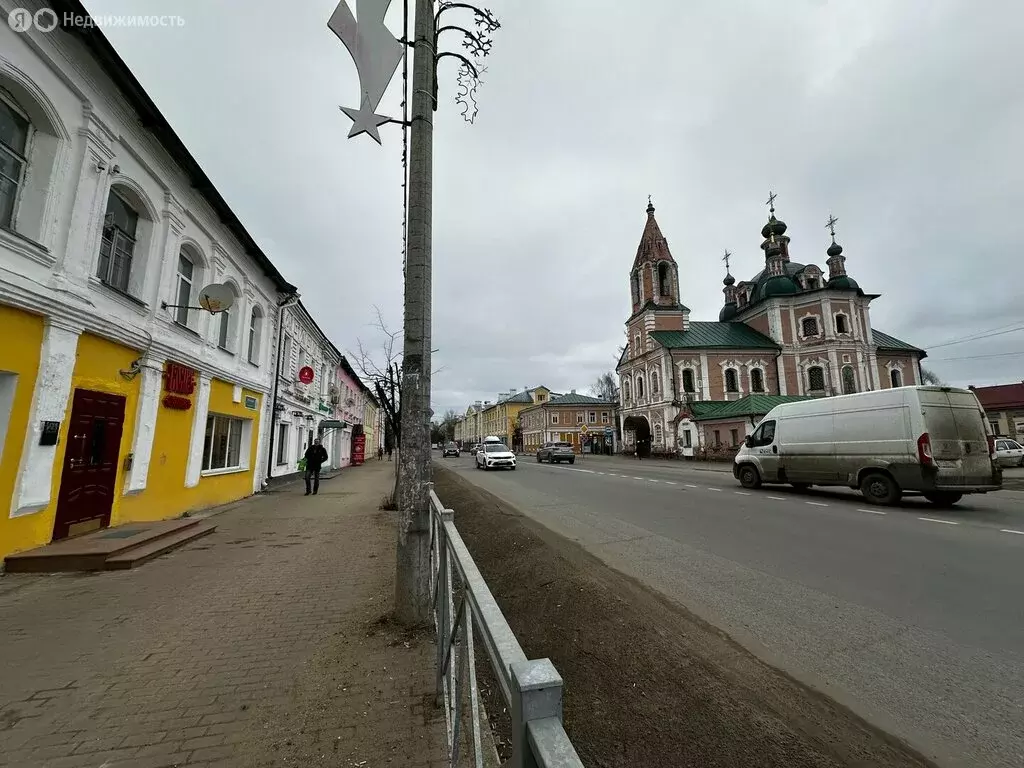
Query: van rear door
pixel 955 424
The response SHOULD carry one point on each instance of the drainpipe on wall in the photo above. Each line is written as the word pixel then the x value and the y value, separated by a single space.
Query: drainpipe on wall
pixel 288 301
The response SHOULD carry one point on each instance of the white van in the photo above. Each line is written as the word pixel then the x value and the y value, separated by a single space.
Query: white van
pixel 932 440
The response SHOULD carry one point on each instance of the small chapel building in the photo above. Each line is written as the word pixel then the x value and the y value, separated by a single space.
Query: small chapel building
pixel 697 388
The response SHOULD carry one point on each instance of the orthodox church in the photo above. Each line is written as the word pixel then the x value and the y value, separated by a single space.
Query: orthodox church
pixel 791 331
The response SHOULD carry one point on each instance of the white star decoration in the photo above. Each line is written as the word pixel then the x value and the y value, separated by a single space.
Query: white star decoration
pixel 364 120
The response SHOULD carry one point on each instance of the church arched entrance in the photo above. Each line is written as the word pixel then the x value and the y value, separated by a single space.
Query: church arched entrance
pixel 641 429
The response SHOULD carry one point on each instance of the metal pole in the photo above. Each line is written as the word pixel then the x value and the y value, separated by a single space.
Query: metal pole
pixel 412 583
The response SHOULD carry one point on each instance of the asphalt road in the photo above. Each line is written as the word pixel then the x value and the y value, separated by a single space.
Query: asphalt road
pixel 912 616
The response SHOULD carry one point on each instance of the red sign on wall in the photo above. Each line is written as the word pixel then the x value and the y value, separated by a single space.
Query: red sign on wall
pixel 177 402
pixel 306 374
pixel 179 379
pixel 358 449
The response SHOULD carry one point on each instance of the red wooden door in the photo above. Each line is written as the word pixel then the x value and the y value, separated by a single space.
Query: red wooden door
pixel 90 461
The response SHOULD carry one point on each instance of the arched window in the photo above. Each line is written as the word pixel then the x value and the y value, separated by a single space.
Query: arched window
pixel 809 326
pixel 117 248
pixel 637 349
pixel 896 377
pixel 185 286
pixel 756 380
pixel 640 385
pixel 816 378
pixel 255 336
pixel 14 132
pixel 688 384
pixel 655 375
pixel 732 380
pixel 664 279
pixel 658 435
pixel 227 333
pixel 849 380
pixel 636 287
pixel 625 390
pixel 842 325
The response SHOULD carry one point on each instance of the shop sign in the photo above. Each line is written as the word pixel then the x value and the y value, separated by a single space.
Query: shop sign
pixel 177 402
pixel 179 379
pixel 323 407
pixel 251 402
pixel 306 375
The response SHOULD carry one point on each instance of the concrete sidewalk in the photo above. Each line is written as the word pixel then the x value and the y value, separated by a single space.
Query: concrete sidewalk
pixel 267 643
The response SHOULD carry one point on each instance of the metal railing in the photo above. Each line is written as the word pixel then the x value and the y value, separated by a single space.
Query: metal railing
pixel 532 690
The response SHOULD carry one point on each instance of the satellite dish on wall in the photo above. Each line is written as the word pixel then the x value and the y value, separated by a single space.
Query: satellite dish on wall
pixel 216 297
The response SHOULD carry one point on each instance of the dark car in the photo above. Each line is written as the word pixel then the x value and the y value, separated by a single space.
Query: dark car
pixel 555 453
pixel 450 449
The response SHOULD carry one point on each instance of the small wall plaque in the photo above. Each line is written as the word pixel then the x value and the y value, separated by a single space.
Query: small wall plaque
pixel 251 402
pixel 48 435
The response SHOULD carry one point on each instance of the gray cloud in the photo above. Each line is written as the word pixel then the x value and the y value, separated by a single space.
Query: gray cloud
pixel 904 119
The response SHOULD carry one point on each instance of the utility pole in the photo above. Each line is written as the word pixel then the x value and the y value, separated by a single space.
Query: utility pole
pixel 412 582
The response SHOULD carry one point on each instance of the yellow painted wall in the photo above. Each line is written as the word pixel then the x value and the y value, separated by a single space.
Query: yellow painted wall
pixel 22 339
pixel 165 495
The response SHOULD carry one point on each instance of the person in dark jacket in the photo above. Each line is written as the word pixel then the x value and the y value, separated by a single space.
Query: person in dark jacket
pixel 316 455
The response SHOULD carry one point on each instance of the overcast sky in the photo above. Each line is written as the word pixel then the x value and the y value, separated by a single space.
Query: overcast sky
pixel 905 119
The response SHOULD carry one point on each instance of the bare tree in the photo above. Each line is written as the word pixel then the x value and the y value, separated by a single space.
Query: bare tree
pixel 929 376
pixel 605 386
pixel 383 372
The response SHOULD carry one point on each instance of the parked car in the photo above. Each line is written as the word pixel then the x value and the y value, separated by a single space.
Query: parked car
pixel 451 449
pixel 1009 453
pixel 556 453
pixel 495 456
pixel 932 440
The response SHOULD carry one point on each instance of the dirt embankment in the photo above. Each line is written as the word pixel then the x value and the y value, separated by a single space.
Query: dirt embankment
pixel 648 684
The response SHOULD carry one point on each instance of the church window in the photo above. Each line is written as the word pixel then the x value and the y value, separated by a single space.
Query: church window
pixel 756 380
pixel 841 324
pixel 637 349
pixel 816 378
pixel 655 375
pixel 636 287
pixel 625 390
pixel 664 279
pixel 688 385
pixel 896 377
pixel 640 385
pixel 809 326
pixel 849 380
pixel 658 437
pixel 732 380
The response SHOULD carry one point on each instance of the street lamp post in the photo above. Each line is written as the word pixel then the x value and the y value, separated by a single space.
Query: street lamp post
pixel 376 54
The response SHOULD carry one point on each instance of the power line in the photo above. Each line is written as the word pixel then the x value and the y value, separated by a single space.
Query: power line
pixel 981 335
pixel 976 357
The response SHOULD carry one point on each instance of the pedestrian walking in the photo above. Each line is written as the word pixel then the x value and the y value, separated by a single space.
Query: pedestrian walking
pixel 315 456
pixel 389 453
pixel 380 452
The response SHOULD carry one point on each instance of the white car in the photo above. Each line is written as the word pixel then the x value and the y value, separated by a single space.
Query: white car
pixel 1009 453
pixel 495 455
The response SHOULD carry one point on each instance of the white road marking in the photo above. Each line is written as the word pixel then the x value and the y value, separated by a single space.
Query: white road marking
pixel 669 482
pixel 652 480
pixel 690 486
pixel 600 473
pixel 815 503
pixel 719 490
pixel 1009 530
pixel 776 498
pixel 639 478
pixel 741 493
pixel 873 511
pixel 933 520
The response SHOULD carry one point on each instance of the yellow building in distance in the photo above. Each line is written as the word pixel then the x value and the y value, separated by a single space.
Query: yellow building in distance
pixel 501 418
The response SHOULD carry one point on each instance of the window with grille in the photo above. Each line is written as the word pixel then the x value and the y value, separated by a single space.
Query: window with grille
pixel 14 133
pixel 809 326
pixel 849 380
pixel 756 380
pixel 117 247
pixel 732 380
pixel 816 379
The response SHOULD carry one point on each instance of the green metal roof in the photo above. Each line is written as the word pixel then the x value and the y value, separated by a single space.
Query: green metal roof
pixel 885 341
pixel 522 397
pixel 574 399
pixel 706 334
pixel 751 405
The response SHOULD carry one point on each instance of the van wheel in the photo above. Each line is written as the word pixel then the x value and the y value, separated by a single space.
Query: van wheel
pixel 749 476
pixel 943 499
pixel 801 486
pixel 880 489
pixel 572 461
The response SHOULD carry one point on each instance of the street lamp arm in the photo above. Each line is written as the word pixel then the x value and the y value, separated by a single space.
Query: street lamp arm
pixel 483 16
pixel 463 59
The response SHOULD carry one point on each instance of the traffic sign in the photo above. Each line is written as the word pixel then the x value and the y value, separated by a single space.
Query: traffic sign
pixel 583 428
pixel 608 431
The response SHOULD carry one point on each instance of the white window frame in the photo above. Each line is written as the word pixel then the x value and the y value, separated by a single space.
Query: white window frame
pixel 22 159
pixel 255 334
pixel 591 417
pixel 224 331
pixel 183 302
pixel 736 378
pixel 236 426
pixel 824 380
pixel 846 321
pixel 764 382
pixel 604 417
pixel 282 444
pixel 554 418
pixel 817 327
